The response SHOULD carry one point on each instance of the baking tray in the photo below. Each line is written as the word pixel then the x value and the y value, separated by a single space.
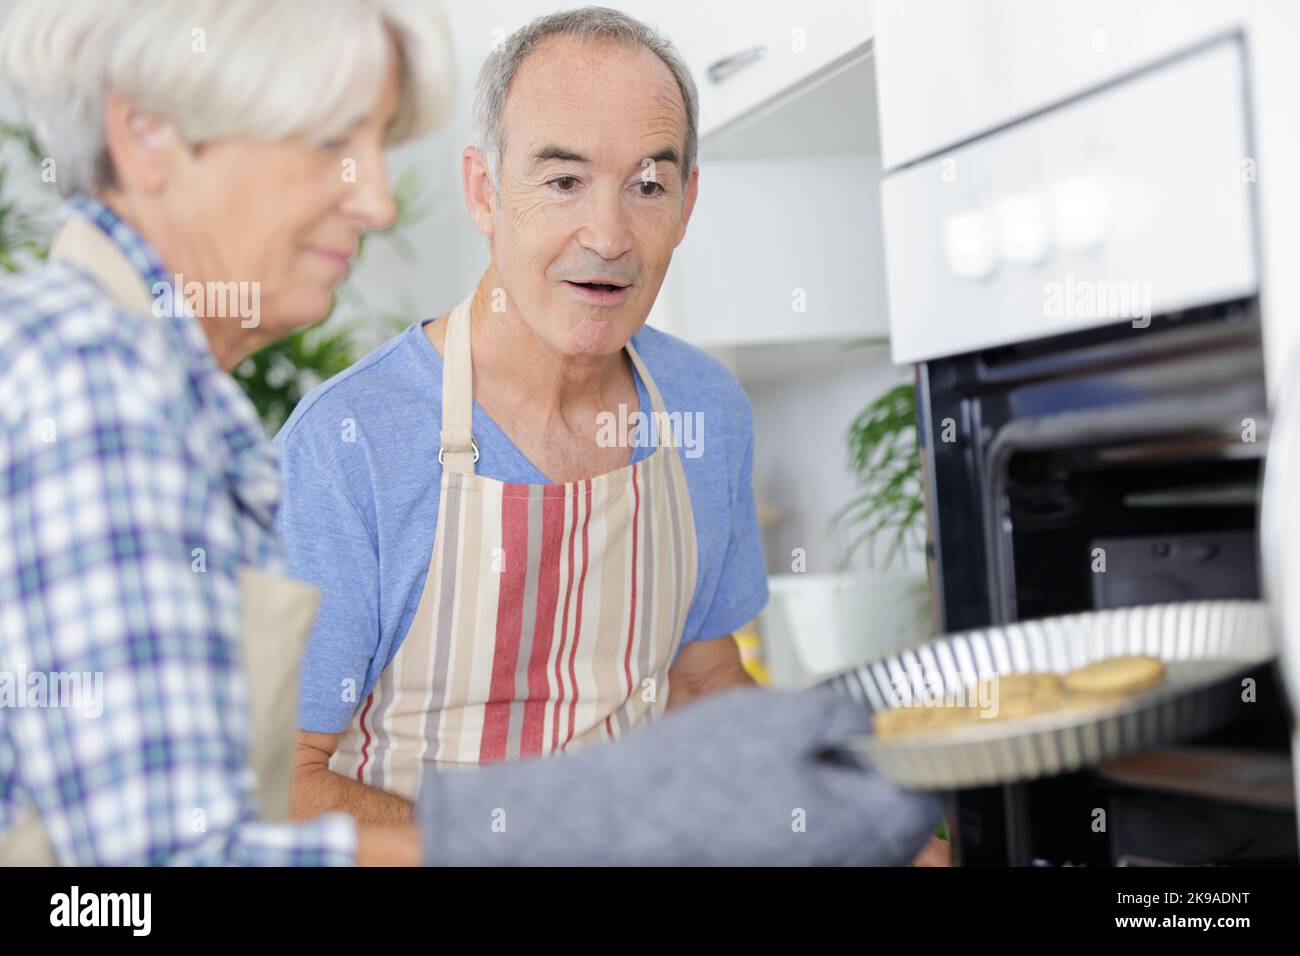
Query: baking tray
pixel 1208 648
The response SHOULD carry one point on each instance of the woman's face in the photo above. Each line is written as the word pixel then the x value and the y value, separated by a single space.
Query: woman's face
pixel 280 220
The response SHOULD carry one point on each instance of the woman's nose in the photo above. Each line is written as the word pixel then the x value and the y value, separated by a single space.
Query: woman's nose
pixel 369 199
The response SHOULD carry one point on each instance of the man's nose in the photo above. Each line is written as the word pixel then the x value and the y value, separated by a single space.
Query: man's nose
pixel 606 232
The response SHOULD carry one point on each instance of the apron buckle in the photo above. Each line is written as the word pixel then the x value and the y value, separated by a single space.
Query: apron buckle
pixel 473 447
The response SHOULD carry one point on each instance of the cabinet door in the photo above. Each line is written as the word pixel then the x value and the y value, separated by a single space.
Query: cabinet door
pixel 744 54
pixel 950 70
pixel 784 249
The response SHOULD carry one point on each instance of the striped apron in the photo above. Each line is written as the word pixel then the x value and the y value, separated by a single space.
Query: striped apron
pixel 550 613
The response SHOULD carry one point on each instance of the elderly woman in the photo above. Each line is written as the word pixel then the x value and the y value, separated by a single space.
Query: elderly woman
pixel 222 158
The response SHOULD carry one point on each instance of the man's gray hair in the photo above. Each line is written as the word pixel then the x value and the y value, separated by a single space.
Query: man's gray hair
pixel 592 24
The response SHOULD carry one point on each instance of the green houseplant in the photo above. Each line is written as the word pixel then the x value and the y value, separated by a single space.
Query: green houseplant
pixel 23 235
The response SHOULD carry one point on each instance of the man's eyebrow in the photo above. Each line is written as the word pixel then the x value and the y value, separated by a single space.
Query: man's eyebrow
pixel 548 153
pixel 666 155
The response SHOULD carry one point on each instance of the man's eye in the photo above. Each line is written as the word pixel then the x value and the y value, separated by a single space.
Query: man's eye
pixel 564 184
pixel 649 188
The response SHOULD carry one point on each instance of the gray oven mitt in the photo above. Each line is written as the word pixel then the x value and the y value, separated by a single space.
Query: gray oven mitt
pixel 734 779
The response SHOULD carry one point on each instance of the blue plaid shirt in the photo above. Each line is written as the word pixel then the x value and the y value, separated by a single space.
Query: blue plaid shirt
pixel 135 480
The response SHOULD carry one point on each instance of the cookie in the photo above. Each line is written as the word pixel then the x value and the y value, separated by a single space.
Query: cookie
pixel 1015 696
pixel 1116 675
pixel 1044 687
pixel 1008 696
pixel 905 721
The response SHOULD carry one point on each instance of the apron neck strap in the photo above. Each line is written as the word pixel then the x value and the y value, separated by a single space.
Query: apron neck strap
pixel 459 451
pixel 656 402
pixel 83 244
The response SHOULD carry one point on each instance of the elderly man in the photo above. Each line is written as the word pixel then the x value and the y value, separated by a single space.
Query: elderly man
pixel 207 140
pixel 506 572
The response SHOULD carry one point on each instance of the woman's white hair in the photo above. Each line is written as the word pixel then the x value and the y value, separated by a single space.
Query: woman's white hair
pixel 265 69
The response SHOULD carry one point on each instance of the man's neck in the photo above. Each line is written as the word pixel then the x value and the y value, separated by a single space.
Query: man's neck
pixel 510 359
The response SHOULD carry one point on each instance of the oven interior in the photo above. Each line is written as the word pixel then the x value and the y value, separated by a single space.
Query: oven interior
pixel 1104 469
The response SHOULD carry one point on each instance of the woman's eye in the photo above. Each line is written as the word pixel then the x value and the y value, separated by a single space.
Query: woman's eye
pixel 564 184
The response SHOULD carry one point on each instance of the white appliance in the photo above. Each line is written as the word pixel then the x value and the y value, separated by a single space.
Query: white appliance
pixel 1001 104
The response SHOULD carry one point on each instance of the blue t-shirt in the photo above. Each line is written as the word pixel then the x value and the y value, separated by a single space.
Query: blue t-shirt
pixel 362 482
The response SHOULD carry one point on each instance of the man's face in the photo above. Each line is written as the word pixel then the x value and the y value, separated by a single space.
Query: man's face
pixel 591 200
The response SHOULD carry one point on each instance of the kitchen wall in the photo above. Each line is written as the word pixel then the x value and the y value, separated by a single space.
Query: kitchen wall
pixel 801 459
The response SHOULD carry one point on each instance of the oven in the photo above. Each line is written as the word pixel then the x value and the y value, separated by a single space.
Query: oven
pixel 1092 471
pixel 1079 292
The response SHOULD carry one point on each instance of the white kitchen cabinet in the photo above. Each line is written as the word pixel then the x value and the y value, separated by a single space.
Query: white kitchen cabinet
pixel 960 68
pixel 774 255
pixel 745 54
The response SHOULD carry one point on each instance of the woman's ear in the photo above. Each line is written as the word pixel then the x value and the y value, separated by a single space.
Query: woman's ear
pixel 142 146
pixel 480 192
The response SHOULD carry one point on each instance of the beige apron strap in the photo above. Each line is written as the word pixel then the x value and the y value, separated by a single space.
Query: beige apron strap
pixel 459 451
pixel 80 242
pixel 276 618
pixel 656 400
pixel 26 843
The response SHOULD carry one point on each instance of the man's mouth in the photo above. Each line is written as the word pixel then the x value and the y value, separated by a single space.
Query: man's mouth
pixel 597 291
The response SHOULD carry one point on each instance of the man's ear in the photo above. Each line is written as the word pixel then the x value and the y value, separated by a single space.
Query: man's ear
pixel 692 190
pixel 480 193
pixel 142 146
